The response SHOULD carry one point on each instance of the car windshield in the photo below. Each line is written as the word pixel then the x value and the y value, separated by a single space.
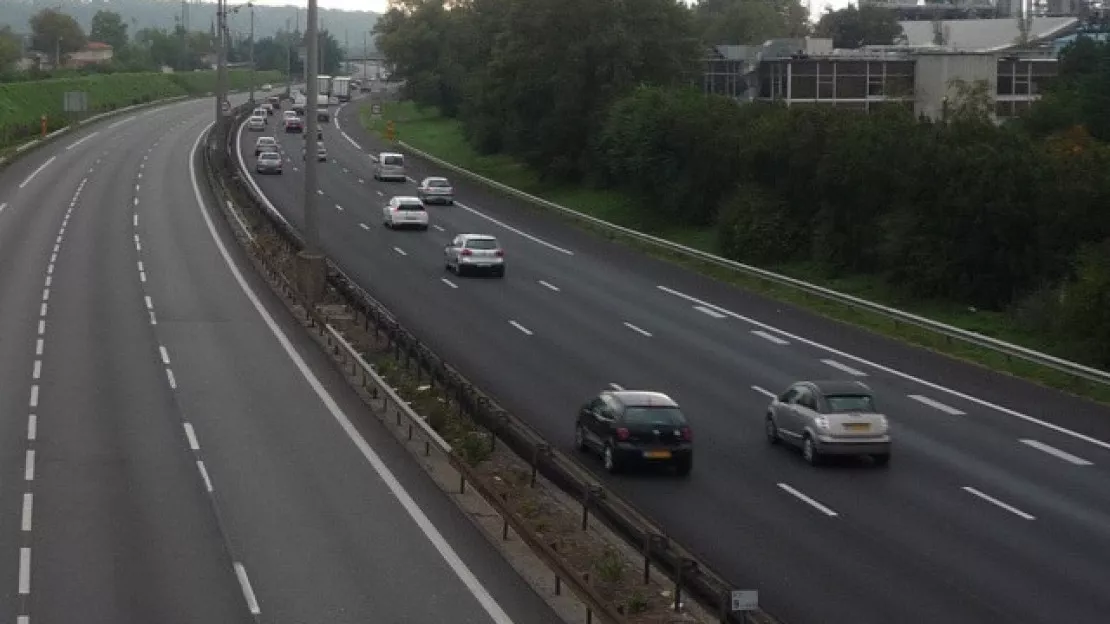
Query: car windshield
pixel 643 415
pixel 481 243
pixel 850 403
pixel 410 207
pixel 439 183
pixel 266 141
pixel 395 161
pixel 270 156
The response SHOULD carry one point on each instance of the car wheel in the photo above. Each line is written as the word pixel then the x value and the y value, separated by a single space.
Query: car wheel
pixel 684 466
pixel 580 438
pixel 772 431
pixel 612 466
pixel 882 460
pixel 809 451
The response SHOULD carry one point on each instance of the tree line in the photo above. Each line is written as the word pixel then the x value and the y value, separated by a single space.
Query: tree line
pixel 607 93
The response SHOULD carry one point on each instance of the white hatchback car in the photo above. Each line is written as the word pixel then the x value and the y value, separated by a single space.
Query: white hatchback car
pixel 477 252
pixel 257 124
pixel 405 212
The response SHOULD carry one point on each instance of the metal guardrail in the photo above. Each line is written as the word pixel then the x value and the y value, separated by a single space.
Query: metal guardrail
pixel 952 333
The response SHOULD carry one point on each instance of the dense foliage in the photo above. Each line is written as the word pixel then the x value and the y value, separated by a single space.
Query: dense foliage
pixel 961 210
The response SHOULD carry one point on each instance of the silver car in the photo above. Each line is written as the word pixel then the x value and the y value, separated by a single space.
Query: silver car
pixel 475 252
pixel 436 191
pixel 390 166
pixel 268 162
pixel 829 418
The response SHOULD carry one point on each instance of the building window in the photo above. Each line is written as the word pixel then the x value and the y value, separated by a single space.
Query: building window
pixel 825 86
pixel 803 87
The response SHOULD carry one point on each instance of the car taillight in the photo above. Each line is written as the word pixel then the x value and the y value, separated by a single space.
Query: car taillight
pixel 687 434
pixel 467 252
pixel 622 433
pixel 499 253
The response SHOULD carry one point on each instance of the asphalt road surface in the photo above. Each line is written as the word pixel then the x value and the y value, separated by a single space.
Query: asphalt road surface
pixel 994 507
pixel 175 449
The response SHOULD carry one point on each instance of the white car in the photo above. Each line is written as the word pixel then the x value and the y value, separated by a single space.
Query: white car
pixel 289 114
pixel 257 123
pixel 405 212
pixel 265 144
pixel 267 87
pixel 475 252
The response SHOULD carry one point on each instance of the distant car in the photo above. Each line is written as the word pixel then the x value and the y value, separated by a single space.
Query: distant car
pixel 321 152
pixel 475 252
pixel 256 123
pixel 289 114
pixel 405 212
pixel 829 418
pixel 266 106
pixel 267 87
pixel 435 191
pixel 629 427
pixel 294 124
pixel 390 166
pixel 265 144
pixel 260 112
pixel 269 162
pixel 275 101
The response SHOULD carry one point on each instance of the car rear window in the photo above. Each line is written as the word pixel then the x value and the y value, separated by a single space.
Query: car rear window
pixel 270 156
pixel 850 403
pixel 410 207
pixel 654 416
pixel 439 183
pixel 481 243
pixel 394 161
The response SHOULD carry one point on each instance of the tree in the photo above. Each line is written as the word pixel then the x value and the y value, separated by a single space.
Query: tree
pixel 10 47
pixel 108 27
pixel 853 27
pixel 739 22
pixel 55 31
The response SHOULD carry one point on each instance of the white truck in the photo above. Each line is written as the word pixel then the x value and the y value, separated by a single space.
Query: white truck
pixel 322 112
pixel 323 85
pixel 341 88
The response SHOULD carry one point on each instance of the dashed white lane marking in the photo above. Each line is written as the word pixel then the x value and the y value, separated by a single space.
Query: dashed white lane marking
pixel 50 268
pixel 448 282
pixel 248 592
pixel 29 465
pixel 364 226
pixel 153 319
pixel 642 332
pixel 1055 452
pixel 36 172
pixel 438 228
pixel 936 404
pixel 149 303
pixel 80 141
pixel 46 294
pixel 3 205
pixel 49 279
pixel 400 251
pixel 339 208
pixel 845 368
pixel 770 337
pixel 43 307
pixel 39 344
pixel 136 201
pixel 765 392
pixel 994 501
pixel 549 286
pixel 24 571
pixel 28 510
pixel 23 619
pixel 170 378
pixel 381 194
pixel 142 277
pixel 204 475
pixel 616 387
pixel 809 501
pixel 136 188
pixel 192 436
pixel 135 220
pixel 42 327
pixel 32 427
pixel 534 239
pixel 522 328
pixel 165 355
pixel 709 312
pixel 34 400
pixel 36 371
pixel 319 192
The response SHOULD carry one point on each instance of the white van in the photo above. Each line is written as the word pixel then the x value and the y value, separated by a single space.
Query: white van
pixel 390 166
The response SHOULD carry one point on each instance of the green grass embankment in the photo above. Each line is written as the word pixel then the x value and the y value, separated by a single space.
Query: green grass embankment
pixel 23 103
pixel 426 130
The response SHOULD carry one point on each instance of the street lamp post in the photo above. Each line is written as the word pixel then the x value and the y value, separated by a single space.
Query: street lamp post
pixel 313 265
pixel 250 5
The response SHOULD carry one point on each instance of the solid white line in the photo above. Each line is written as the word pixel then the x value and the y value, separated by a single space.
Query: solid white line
pixel 43 308
pixel 522 328
pixel 32 427
pixel 149 303
pixel 34 402
pixel 637 329
pixel 995 501
pixel 248 593
pixel 765 392
pixel 1051 450
pixel 433 535
pixel 770 337
pixel 38 346
pixel 242 224
pixel 512 229
pixel 936 404
pixel 204 475
pixel 906 376
pixel 448 282
pixel 549 286
pixel 24 571
pixel 37 372
pixel 400 251
pixel 802 497
pixel 37 171
pixel 29 465
pixel 616 387
pixel 189 433
pixel 123 121
pixel 80 141
pixel 170 378
pixel 165 355
pixel 364 226
pixel 42 327
pixel 710 312
pixel 845 368
pixel 28 510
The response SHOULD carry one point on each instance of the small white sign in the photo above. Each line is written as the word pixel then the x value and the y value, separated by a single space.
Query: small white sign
pixel 745 600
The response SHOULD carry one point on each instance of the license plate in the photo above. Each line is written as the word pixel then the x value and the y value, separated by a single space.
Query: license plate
pixel 657 454
pixel 857 426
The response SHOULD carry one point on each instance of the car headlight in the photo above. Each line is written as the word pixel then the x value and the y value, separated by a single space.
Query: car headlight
pixel 821 422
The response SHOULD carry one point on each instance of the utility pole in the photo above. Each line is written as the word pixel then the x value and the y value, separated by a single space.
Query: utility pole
pixel 365 58
pixel 313 265
pixel 250 5
pixel 221 64
pixel 288 61
pixel 58 53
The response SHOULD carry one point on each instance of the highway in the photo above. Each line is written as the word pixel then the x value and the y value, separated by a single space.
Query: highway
pixel 174 447
pixel 993 509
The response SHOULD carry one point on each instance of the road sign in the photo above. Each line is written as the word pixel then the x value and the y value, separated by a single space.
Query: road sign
pixel 75 102
pixel 375 110
pixel 745 600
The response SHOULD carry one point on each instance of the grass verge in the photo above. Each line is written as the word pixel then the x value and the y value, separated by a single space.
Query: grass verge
pixel 427 130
